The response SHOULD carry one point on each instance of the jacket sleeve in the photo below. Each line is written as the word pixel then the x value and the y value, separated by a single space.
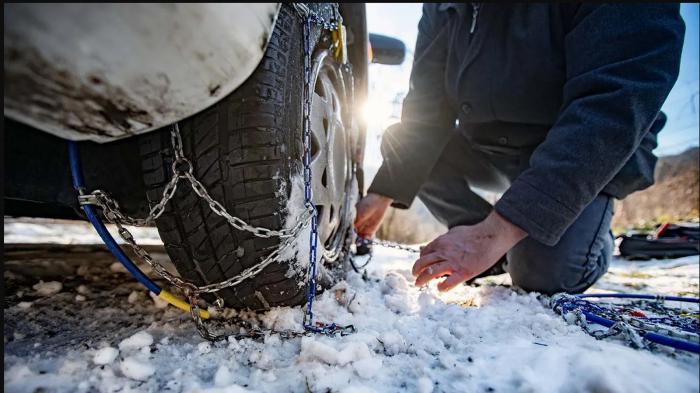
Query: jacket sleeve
pixel 411 148
pixel 621 62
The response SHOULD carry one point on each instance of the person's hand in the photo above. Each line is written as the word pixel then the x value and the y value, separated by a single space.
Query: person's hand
pixel 370 213
pixel 466 251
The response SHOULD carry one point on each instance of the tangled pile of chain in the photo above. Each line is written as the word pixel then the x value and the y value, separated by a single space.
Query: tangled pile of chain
pixel 642 321
pixel 182 168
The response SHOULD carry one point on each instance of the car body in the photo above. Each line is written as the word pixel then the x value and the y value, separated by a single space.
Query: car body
pixel 102 72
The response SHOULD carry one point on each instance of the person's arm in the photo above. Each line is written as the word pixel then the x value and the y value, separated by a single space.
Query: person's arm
pixel 411 148
pixel 621 62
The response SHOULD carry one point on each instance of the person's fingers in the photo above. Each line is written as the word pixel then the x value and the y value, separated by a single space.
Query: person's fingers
pixel 359 224
pixel 365 232
pixel 360 216
pixel 434 271
pixel 425 261
pixel 367 227
pixel 452 281
pixel 431 247
pixel 363 221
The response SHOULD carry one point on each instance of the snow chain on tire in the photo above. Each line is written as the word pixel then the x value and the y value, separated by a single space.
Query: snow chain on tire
pixel 182 168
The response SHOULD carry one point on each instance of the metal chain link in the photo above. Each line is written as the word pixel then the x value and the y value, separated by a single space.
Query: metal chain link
pixel 182 168
pixel 308 16
pixel 628 327
pixel 112 210
pixel 394 245
pixel 619 328
pixel 686 328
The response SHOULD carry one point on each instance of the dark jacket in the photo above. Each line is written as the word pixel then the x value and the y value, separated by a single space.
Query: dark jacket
pixel 578 86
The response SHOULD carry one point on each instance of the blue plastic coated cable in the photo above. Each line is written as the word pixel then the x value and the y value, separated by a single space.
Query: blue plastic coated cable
pixel 653 337
pixel 638 296
pixel 79 184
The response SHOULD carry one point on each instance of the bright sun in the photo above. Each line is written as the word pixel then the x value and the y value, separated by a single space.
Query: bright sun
pixel 376 113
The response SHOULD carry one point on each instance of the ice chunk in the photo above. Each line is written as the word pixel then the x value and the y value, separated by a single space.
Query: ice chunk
pixel 159 303
pixel 133 297
pixel 394 282
pixel 105 355
pixel 312 349
pixel 204 347
pixel 367 368
pixel 223 376
pixel 136 341
pixel 136 369
pixel 118 268
pixel 392 342
pixel 48 288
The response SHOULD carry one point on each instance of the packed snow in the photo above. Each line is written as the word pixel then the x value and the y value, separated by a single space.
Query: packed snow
pixel 482 338
pixel 136 341
pixel 105 355
pixel 137 368
pixel 47 288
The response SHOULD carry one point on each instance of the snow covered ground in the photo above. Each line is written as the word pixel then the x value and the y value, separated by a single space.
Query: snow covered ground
pixel 75 321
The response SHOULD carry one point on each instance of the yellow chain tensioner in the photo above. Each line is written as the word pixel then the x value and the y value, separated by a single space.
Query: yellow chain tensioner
pixel 340 44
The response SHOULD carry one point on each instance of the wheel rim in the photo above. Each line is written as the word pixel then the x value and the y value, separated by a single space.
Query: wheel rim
pixel 330 169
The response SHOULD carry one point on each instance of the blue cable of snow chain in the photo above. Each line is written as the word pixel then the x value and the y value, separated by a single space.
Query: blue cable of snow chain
pixel 638 296
pixel 79 184
pixel 653 337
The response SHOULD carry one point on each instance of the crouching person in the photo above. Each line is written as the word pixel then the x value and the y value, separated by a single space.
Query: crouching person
pixel 557 106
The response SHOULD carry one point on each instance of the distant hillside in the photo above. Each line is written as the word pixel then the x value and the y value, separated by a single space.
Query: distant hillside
pixel 674 195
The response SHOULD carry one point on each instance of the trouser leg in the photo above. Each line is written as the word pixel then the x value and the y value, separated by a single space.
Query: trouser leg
pixel 447 193
pixel 576 262
pixel 572 265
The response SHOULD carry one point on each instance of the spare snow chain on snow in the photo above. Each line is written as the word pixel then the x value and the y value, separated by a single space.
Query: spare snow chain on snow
pixel 636 327
pixel 183 168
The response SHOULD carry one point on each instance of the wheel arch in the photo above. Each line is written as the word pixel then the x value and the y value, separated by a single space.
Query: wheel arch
pixel 103 72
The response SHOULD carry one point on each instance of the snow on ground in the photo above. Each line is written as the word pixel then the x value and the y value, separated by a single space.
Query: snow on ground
pixel 484 338
pixel 42 230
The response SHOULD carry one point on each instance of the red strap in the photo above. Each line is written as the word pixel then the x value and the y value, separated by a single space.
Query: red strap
pixel 661 230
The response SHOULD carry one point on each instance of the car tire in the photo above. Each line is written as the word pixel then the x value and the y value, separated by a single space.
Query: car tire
pixel 247 152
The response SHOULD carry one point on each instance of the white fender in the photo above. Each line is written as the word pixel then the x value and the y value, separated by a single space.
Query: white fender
pixel 106 71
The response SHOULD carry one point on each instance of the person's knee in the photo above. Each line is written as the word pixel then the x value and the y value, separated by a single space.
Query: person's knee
pixel 575 263
pixel 536 267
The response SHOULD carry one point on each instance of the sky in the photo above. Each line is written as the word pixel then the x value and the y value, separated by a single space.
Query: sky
pixel 400 20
